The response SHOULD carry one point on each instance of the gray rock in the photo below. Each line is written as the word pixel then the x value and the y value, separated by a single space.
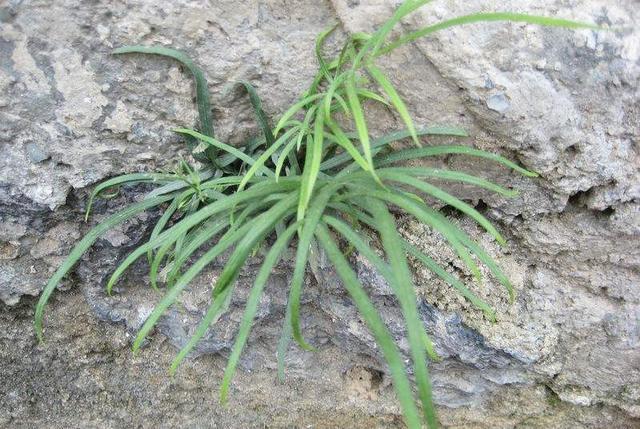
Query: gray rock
pixel 563 103
pixel 498 102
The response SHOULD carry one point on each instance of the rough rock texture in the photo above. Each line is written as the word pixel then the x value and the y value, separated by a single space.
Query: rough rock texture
pixel 564 103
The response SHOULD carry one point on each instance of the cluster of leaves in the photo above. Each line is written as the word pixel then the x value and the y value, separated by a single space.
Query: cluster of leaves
pixel 309 178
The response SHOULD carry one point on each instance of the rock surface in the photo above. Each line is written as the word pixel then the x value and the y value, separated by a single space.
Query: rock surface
pixel 563 103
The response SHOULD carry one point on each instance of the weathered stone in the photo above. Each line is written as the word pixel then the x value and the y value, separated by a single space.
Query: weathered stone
pixel 564 103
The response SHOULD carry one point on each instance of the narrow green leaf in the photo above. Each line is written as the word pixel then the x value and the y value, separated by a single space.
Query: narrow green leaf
pixel 162 222
pixel 486 260
pixel 126 179
pixel 225 282
pixel 346 144
pixel 227 148
pixel 486 17
pixel 365 93
pixel 324 70
pixel 206 183
pixel 185 224
pixel 396 100
pixel 195 239
pixel 305 128
pixel 155 264
pixel 219 305
pixel 265 156
pixel 426 215
pixel 202 90
pixel 358 117
pixel 330 93
pixel 251 306
pixel 375 42
pixel 294 109
pixel 311 166
pixel 222 245
pixel 401 276
pixel 446 198
pixel 376 325
pixel 380 143
pixel 403 155
pixel 82 247
pixel 283 157
pixel 456 176
pixel 433 266
pixel 310 222
pixel 263 121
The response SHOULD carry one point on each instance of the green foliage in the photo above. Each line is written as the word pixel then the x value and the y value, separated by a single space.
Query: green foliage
pixel 310 176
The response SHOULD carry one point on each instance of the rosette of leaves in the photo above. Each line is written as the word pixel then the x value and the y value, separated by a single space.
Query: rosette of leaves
pixel 316 180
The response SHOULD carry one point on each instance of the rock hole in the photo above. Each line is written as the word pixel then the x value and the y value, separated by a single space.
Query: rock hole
pixel 481 206
pixel 364 382
pixel 577 199
pixel 572 150
pixel 450 211
pixel 608 212
pixel 552 397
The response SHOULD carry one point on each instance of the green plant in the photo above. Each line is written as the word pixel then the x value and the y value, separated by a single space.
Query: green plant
pixel 308 177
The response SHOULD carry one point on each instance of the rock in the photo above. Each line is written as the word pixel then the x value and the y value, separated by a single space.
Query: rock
pixel 563 103
pixel 498 102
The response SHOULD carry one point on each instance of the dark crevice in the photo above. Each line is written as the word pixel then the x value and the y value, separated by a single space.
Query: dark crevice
pixel 481 206
pixel 580 200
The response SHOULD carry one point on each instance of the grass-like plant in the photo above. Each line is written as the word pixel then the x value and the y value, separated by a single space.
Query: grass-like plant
pixel 311 178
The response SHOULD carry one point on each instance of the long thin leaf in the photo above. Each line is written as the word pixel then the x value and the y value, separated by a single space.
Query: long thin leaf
pixel 372 45
pixel 180 184
pixel 358 117
pixel 396 100
pixel 265 156
pixel 251 306
pixel 185 224
pixel 286 153
pixel 324 70
pixel 380 143
pixel 294 109
pixel 82 247
pixel 305 128
pixel 225 282
pixel 455 176
pixel 227 148
pixel 403 155
pixel 311 166
pixel 433 266
pixel 126 179
pixel 346 144
pixel 484 257
pixel 405 293
pixel 309 225
pixel 162 222
pixel 426 215
pixel 202 90
pixel 376 325
pixel 263 121
pixel 486 17
pixel 446 198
